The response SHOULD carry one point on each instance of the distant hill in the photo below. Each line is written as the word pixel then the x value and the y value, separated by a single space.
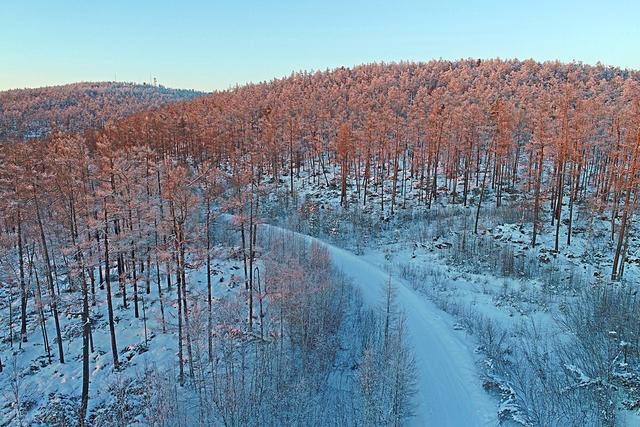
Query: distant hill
pixel 32 113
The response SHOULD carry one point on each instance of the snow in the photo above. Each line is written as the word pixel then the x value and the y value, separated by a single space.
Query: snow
pixel 450 391
pixel 441 290
pixel 498 294
pixel 40 381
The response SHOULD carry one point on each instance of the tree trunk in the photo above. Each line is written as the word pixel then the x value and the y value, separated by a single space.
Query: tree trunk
pixel 85 350
pixel 107 279
pixel 52 293
pixel 482 188
pixel 536 202
pixel 625 212
pixel 209 285
pixel 23 286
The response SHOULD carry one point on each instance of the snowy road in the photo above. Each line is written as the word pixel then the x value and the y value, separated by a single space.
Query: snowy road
pixel 450 392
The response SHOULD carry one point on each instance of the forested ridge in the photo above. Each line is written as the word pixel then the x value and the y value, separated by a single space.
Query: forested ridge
pixel 561 133
pixel 122 201
pixel 33 113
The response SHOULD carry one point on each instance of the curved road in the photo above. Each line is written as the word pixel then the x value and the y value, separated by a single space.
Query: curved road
pixel 450 392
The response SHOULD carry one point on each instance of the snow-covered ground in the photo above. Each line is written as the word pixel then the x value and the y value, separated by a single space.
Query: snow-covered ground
pixel 513 301
pixel 453 287
pixel 29 379
pixel 450 391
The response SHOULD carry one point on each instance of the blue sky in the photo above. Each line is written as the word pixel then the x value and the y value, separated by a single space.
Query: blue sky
pixel 214 45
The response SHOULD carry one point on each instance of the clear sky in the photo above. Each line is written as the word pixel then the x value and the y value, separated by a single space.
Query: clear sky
pixel 214 45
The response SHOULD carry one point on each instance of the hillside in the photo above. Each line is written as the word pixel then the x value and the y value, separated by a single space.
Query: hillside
pixel 347 247
pixel 31 113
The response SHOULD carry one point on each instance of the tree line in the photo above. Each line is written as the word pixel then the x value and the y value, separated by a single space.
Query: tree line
pixel 563 135
pixel 34 113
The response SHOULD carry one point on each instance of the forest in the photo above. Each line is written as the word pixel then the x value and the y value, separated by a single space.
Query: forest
pixel 33 113
pixel 174 241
